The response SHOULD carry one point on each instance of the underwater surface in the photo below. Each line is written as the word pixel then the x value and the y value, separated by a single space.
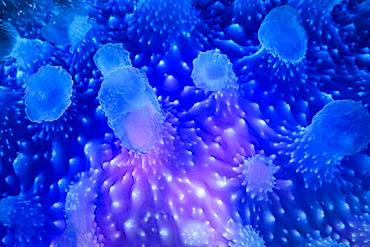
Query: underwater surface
pixel 173 123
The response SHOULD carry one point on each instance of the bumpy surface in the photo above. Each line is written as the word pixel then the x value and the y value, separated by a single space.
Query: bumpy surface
pixel 184 123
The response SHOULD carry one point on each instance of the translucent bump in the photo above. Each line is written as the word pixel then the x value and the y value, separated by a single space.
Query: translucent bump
pixel 110 57
pixel 361 163
pixel 282 34
pixel 213 71
pixel 132 109
pixel 22 168
pixel 48 94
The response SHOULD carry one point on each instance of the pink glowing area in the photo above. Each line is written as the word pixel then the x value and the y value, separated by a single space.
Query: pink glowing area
pixel 143 127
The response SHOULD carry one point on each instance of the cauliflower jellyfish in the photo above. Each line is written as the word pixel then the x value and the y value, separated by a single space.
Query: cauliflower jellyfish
pixel 48 94
pixel 282 34
pixel 213 71
pixel 26 51
pixel 110 57
pixel 67 28
pixel 341 128
pixel 132 109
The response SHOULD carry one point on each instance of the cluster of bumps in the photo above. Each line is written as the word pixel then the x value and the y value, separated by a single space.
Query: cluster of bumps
pixel 177 123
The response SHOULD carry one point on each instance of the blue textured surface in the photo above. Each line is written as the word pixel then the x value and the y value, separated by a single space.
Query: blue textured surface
pixel 185 123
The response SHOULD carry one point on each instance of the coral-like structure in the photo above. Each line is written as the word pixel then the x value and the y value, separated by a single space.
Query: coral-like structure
pixel 184 123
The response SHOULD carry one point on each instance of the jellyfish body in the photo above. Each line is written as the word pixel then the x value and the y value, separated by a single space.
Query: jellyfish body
pixel 282 34
pixel 213 71
pixel 340 129
pixel 48 94
pixel 67 28
pixel 131 106
pixel 110 57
